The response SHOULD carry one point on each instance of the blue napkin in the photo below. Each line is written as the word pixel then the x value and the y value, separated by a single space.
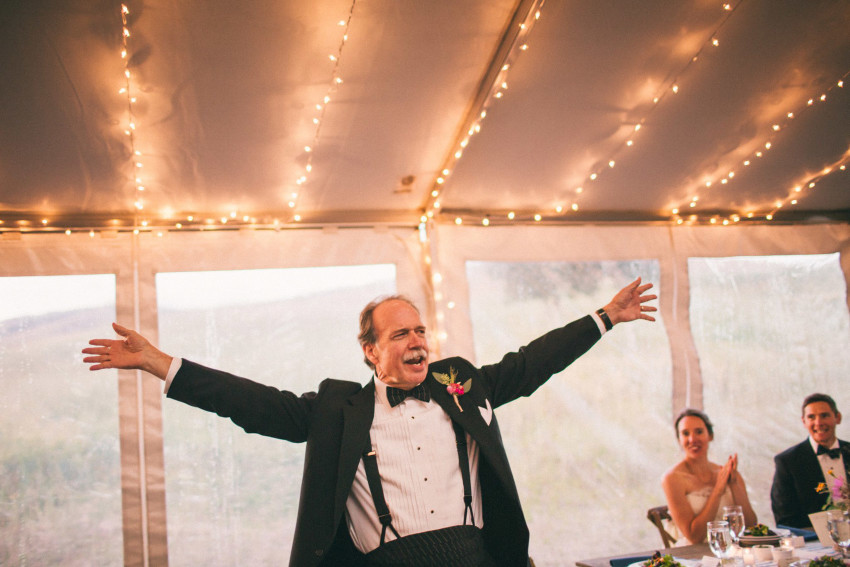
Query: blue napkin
pixel 626 561
pixel 808 535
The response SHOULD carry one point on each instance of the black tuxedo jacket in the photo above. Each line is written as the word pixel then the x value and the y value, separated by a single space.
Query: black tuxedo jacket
pixel 793 495
pixel 335 421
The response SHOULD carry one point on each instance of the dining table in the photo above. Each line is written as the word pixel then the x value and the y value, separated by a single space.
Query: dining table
pixel 695 551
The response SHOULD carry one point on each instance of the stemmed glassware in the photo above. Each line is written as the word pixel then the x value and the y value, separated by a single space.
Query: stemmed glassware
pixel 734 516
pixel 838 522
pixel 720 541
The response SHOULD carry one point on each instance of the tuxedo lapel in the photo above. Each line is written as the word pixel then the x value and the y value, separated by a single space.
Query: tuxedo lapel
pixel 358 413
pixel 811 464
pixel 470 419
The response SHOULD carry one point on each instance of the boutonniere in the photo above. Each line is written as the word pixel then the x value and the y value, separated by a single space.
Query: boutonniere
pixel 837 493
pixel 453 387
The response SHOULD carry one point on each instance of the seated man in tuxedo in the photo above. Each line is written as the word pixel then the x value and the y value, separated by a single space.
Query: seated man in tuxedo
pixel 801 468
pixel 410 468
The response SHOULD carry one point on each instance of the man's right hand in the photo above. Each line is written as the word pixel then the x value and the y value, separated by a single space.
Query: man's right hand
pixel 132 352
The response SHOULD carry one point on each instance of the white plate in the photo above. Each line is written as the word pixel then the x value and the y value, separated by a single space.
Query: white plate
pixel 749 540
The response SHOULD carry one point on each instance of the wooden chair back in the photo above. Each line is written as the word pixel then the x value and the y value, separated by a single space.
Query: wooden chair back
pixel 657 516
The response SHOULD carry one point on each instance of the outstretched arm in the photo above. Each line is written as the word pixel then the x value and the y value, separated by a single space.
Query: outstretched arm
pixel 628 304
pixel 132 352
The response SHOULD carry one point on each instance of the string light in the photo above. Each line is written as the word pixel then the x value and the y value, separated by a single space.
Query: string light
pixel 126 91
pixel 793 197
pixel 335 81
pixel 672 86
pixel 493 88
pixel 498 89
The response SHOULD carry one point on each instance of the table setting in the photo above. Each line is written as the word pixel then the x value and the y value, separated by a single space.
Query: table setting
pixel 733 545
pixel 730 544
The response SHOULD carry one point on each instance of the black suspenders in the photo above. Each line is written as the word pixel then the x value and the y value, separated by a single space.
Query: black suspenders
pixel 463 461
pixel 370 463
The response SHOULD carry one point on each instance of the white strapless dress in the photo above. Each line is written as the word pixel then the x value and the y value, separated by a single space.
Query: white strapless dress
pixel 697 500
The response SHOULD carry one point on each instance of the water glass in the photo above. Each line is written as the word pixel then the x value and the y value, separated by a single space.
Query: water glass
pixel 838 522
pixel 734 516
pixel 720 541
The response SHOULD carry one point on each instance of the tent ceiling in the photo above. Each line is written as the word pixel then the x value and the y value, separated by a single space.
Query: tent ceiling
pixel 225 95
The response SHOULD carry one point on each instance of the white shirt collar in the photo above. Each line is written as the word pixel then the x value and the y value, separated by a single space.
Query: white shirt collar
pixel 380 392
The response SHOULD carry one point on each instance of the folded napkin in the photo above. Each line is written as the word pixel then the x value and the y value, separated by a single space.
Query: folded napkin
pixel 808 535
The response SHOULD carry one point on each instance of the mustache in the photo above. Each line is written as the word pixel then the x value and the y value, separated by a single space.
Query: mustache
pixel 415 354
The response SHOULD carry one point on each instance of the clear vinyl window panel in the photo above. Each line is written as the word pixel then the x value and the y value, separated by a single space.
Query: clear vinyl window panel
pixel 589 447
pixel 60 478
pixel 232 497
pixel 769 330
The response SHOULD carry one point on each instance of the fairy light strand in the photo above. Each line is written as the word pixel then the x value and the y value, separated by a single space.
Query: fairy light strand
pixel 318 119
pixel 799 188
pixel 668 88
pixel 497 90
pixel 136 164
pixel 490 92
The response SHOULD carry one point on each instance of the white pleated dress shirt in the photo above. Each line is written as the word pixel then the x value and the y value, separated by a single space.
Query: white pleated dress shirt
pixel 417 459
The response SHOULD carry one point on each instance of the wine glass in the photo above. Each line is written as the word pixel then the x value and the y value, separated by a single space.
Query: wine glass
pixel 720 541
pixel 734 515
pixel 838 522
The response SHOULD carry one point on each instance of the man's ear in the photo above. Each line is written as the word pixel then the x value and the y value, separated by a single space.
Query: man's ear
pixel 369 353
pixel 837 417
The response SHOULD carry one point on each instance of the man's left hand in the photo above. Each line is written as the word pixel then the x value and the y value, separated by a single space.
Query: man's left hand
pixel 628 304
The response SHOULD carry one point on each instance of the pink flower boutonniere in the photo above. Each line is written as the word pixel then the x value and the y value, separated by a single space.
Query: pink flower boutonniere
pixel 837 494
pixel 453 387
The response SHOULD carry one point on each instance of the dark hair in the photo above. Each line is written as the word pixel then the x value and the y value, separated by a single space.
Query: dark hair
pixel 812 398
pixel 691 412
pixel 367 325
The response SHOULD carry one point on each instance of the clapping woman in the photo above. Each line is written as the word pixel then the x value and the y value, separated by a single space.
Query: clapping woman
pixel 697 489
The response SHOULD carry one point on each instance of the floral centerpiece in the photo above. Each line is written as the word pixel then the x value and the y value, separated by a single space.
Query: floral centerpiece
pixel 837 493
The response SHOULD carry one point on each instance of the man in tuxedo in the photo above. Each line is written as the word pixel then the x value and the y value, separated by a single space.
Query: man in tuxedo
pixel 800 469
pixel 409 469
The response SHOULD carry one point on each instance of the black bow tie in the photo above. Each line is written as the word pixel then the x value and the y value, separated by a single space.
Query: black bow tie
pixel 833 453
pixel 397 395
